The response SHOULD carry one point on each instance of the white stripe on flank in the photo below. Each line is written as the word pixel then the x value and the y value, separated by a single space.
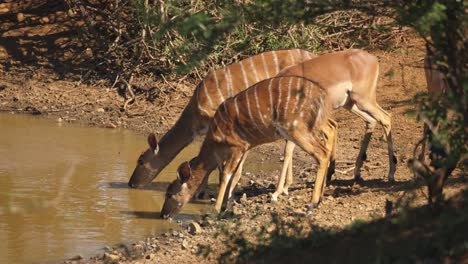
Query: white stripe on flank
pixel 271 96
pixel 200 107
pixel 236 107
pixel 218 129
pixel 246 81
pixel 217 86
pixel 291 58
pixel 301 56
pixel 228 77
pixel 298 93
pixel 208 96
pixel 265 67
pixel 279 97
pixel 306 90
pixel 220 112
pixel 275 60
pixel 288 96
pixel 250 111
pixel 240 129
pixel 319 112
pixel 204 110
pixel 258 108
pixel 254 70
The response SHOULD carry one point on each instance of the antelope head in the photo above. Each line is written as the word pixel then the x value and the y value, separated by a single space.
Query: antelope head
pixel 178 193
pixel 146 168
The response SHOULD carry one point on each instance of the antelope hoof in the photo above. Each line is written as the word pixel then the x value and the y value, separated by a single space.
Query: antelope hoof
pixel 358 178
pixel 274 197
pixel 286 192
pixel 310 209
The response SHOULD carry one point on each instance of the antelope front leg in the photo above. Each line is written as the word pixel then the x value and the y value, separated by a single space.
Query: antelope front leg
pixel 237 175
pixel 228 171
pixel 289 178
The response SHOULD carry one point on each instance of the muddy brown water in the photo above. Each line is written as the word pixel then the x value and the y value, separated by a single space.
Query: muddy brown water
pixel 63 190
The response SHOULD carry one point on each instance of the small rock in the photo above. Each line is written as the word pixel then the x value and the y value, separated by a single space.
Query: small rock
pixel 108 249
pixel 138 248
pixel 150 256
pixel 109 125
pixel 60 120
pixel 175 233
pixel 243 199
pixel 71 13
pixel 20 17
pixel 184 244
pixel 45 20
pixel 77 257
pixel 236 210
pixel 208 222
pixel 111 257
pixel 100 110
pixel 194 228
pixel 299 213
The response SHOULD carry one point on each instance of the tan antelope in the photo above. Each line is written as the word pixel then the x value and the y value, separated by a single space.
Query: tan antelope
pixel 210 93
pixel 287 107
pixel 350 79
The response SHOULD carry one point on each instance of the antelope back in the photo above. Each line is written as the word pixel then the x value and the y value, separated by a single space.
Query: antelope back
pixel 221 84
pixel 269 110
pixel 346 73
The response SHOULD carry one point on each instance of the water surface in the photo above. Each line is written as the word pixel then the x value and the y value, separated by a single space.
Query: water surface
pixel 63 190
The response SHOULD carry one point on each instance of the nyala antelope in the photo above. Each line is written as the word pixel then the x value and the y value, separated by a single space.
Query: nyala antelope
pixel 216 87
pixel 289 107
pixel 350 79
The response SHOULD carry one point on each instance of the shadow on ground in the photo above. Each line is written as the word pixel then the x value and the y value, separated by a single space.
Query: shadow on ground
pixel 419 235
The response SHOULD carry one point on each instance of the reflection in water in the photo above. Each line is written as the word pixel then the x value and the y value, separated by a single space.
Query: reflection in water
pixel 63 190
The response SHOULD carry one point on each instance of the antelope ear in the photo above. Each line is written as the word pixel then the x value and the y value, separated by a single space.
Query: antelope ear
pixel 184 172
pixel 153 143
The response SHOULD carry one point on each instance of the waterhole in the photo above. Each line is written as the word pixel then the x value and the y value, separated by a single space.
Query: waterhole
pixel 63 190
